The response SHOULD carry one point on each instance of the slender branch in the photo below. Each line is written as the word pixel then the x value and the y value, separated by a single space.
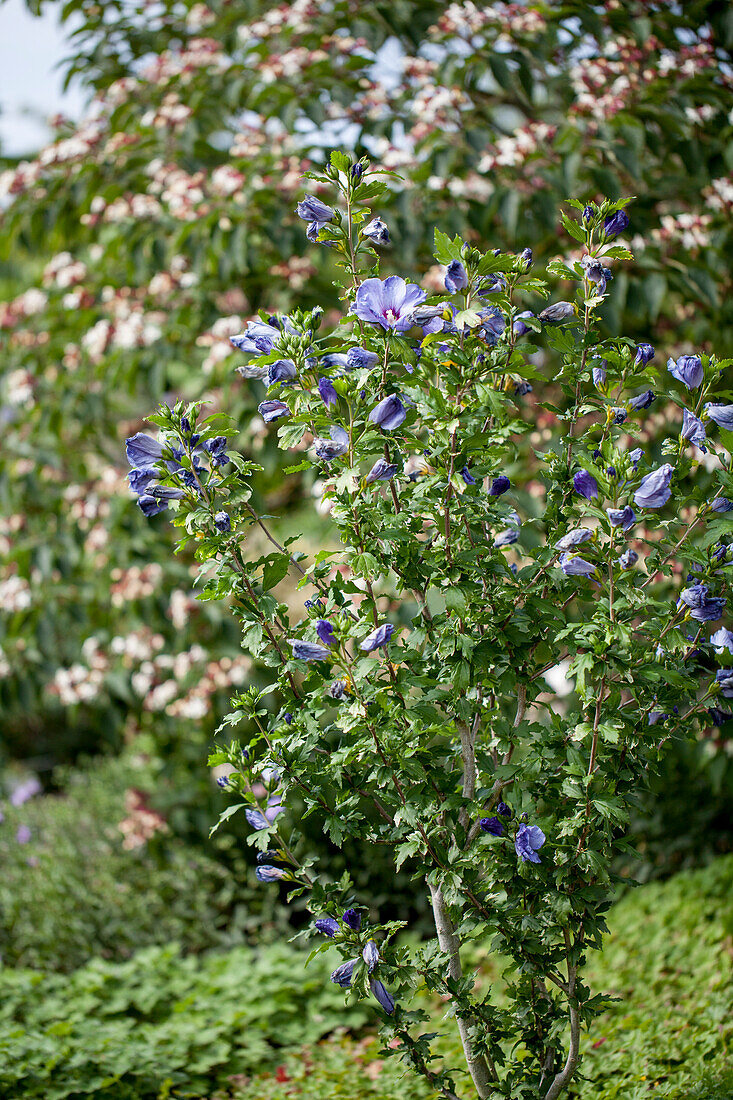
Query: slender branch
pixel 478 1067
pixel 468 752
pixel 260 522
pixel 568 1069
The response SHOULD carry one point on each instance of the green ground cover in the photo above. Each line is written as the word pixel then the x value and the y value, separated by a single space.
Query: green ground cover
pixel 247 1024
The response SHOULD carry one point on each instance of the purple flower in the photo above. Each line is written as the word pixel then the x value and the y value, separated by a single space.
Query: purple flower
pixel 503 809
pixel 492 324
pixel 251 371
pixel 370 955
pixel 23 834
pixel 588 213
pixel 574 538
pixel 328 925
pixel 724 677
pixel 324 630
pixel 143 451
pixel 377 638
pixel 585 484
pixel 693 430
pixel 721 414
pixel 274 807
pixel 526 258
pixel 308 651
pixel 376 232
pixel 722 504
pixel 688 370
pixel 343 974
pixel 156 500
pixel 499 485
pixel 596 272
pixel 388 303
pixel 352 919
pixel 642 400
pixel 574 566
pixel 616 223
pixel 507 538
pixel 722 639
pixel 435 318
pixel 29 788
pixel 621 517
pixel 628 558
pixel 272 410
pixel 360 358
pixel 456 277
pixel 256 819
pixel 467 476
pixel 383 996
pixel 599 374
pixel 389 413
pixel 528 840
pixel 619 415
pixel 644 354
pixel 268 873
pixel 216 447
pixel 635 457
pixel 223 523
pixel 312 210
pixel 654 490
pixel 522 388
pixel 258 338
pixel 222 781
pixel 493 825
pixel 381 471
pixel 282 371
pixel 703 608
pixel 338 690
pixel 559 311
pixel 335 447
pixel 327 392
pixel 519 328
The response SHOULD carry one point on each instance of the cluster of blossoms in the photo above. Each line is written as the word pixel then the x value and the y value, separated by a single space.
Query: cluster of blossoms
pixel 468 19
pixel 417 666
pixel 605 85
pixel 141 823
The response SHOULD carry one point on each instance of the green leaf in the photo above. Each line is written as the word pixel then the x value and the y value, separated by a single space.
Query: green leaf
pixel 275 571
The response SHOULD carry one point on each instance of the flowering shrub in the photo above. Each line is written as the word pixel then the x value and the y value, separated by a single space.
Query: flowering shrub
pixel 414 699
pixel 142 237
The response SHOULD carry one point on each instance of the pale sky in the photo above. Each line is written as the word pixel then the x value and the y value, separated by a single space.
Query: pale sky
pixel 30 48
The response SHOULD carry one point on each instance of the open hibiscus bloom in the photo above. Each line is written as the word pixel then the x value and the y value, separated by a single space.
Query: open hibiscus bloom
pixel 388 302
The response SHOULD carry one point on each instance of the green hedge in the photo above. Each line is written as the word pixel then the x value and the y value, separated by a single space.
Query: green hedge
pixel 72 891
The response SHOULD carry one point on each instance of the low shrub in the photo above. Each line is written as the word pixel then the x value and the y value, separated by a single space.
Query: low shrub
pixel 96 871
pixel 162 1024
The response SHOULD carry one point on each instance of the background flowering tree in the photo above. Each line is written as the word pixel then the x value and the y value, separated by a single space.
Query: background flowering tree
pixel 142 238
pixel 407 704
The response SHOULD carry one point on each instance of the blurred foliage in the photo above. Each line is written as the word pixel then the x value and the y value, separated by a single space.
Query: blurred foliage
pixel 162 1024
pixel 95 871
pixel 683 819
pixel 141 238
